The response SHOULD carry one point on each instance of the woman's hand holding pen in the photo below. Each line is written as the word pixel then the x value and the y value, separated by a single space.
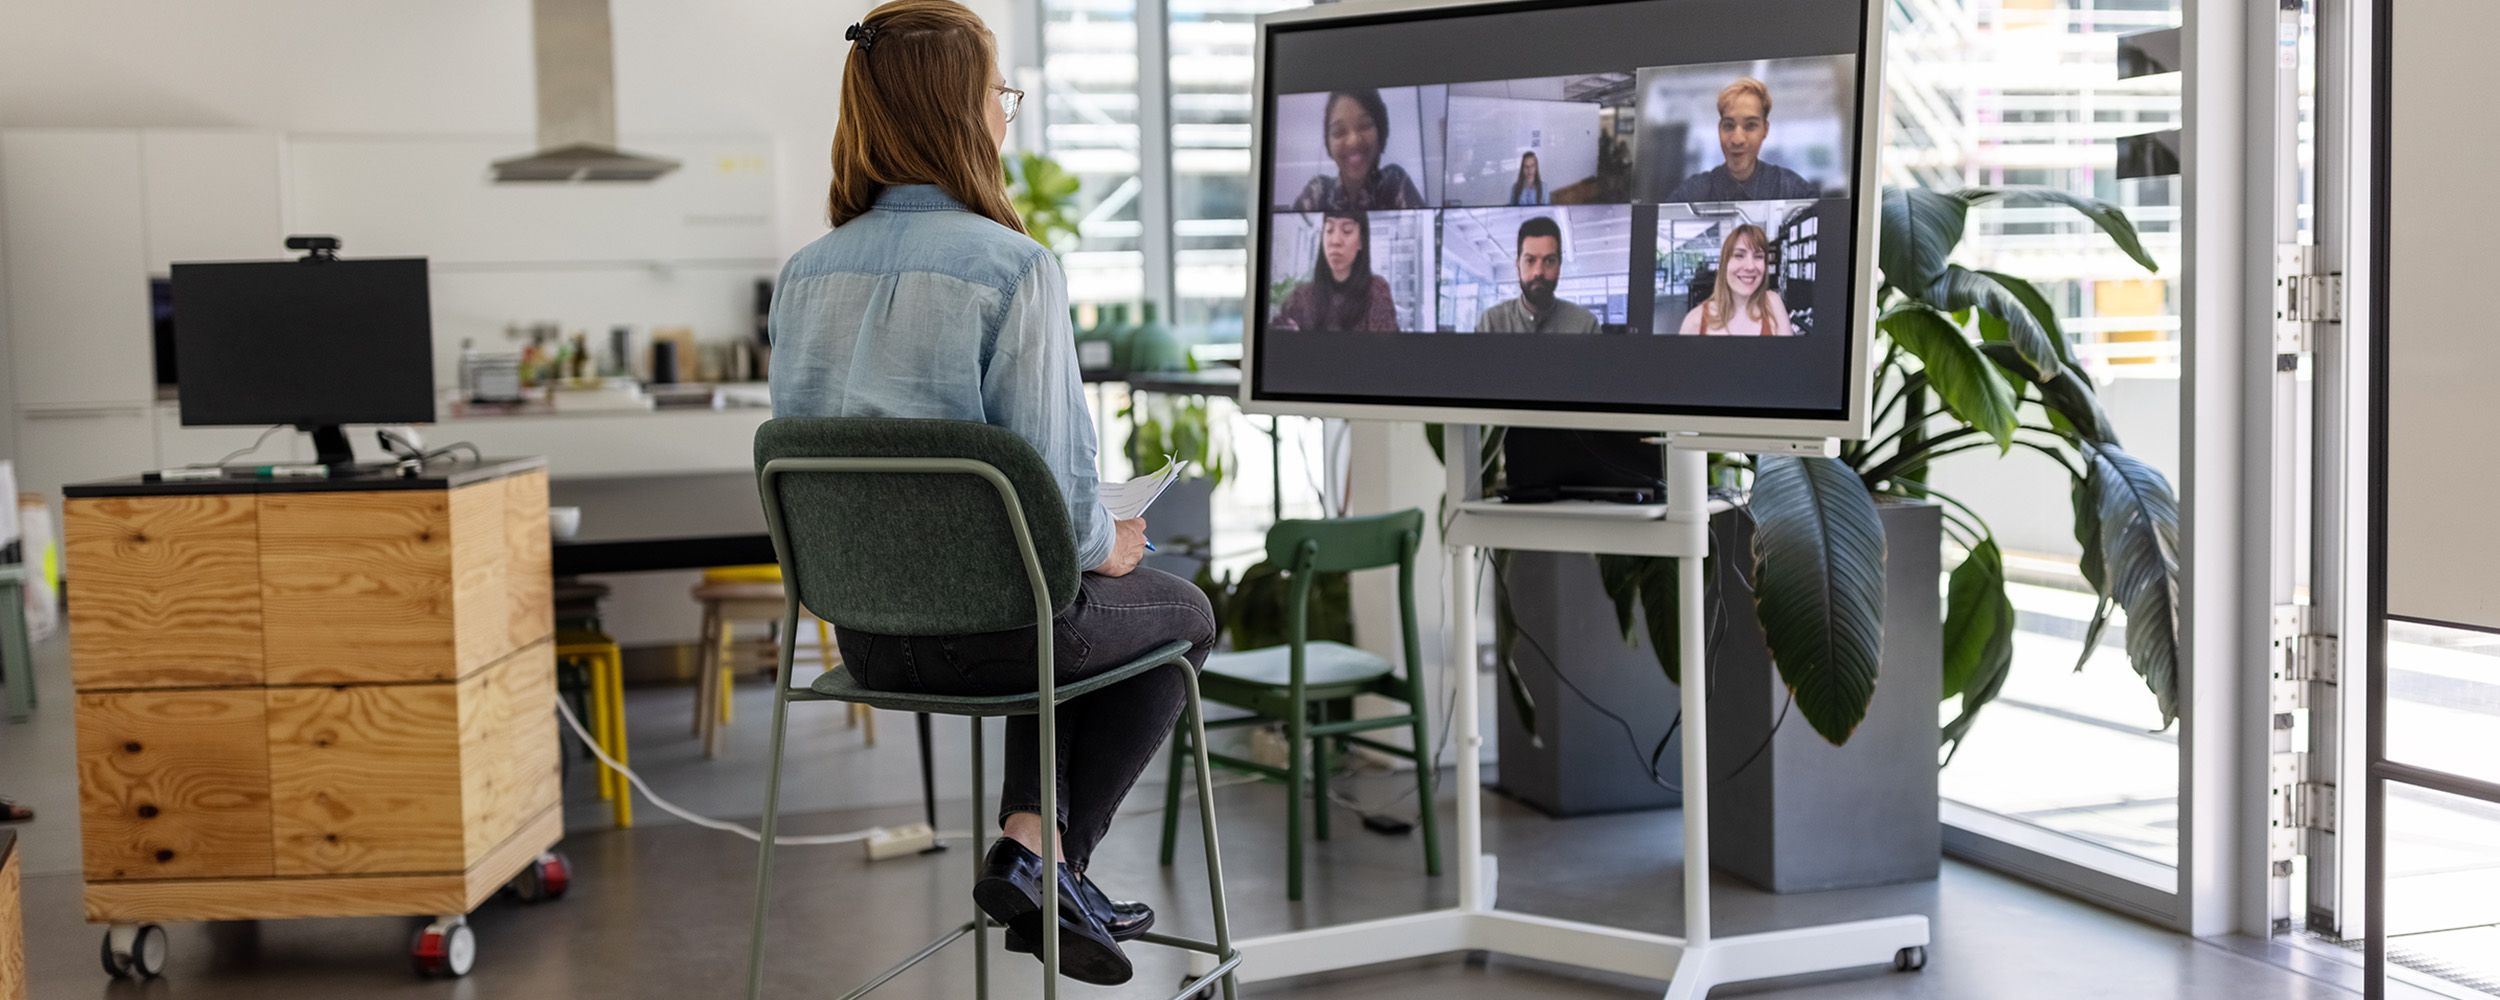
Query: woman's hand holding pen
pixel 1128 546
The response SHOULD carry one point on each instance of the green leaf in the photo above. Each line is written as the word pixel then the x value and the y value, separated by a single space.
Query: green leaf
pixel 1968 384
pixel 1651 584
pixel 1919 229
pixel 2067 397
pixel 1818 552
pixel 2038 306
pixel 2112 219
pixel 1962 288
pixel 1978 621
pixel 2138 520
pixel 2092 635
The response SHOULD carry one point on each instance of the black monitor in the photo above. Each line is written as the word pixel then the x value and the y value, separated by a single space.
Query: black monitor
pixel 315 343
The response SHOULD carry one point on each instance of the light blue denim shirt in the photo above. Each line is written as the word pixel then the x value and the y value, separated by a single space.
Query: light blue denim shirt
pixel 921 308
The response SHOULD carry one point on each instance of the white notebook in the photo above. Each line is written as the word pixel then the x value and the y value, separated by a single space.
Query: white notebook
pixel 1130 499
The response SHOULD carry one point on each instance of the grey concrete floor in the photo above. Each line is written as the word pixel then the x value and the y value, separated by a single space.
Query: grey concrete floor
pixel 662 910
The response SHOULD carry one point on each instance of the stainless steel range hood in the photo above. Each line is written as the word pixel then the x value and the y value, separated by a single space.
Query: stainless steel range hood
pixel 576 61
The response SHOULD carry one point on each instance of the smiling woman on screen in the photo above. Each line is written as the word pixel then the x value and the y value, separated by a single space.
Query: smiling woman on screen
pixel 1356 129
pixel 1343 293
pixel 1744 277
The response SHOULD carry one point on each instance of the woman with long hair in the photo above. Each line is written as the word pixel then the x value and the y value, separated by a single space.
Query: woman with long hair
pixel 1342 293
pixel 1354 124
pixel 929 300
pixel 1529 189
pixel 1741 302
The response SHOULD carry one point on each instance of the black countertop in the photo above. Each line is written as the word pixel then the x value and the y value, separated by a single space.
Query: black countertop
pixel 437 475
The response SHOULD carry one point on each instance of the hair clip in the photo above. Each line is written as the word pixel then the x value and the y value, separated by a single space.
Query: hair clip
pixel 864 34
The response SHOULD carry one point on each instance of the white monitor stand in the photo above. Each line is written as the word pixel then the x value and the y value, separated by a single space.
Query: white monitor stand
pixel 1691 964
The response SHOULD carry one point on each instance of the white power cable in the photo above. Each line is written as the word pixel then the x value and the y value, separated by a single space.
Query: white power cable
pixel 725 826
pixel 783 840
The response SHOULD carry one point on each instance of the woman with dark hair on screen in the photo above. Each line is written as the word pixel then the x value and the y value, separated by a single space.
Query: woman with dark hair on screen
pixel 1744 277
pixel 1529 189
pixel 1343 293
pixel 928 300
pixel 1355 126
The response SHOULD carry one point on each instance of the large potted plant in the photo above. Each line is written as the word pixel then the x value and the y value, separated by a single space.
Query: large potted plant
pixel 1968 360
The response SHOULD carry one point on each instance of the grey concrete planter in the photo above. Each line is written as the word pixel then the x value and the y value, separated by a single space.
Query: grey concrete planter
pixel 1803 815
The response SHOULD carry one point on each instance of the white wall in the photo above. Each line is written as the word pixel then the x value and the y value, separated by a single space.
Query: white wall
pixel 440 67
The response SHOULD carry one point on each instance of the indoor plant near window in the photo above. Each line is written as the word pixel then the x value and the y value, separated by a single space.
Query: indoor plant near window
pixel 1969 359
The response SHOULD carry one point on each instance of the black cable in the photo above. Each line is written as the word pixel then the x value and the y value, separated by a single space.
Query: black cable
pixel 1710 648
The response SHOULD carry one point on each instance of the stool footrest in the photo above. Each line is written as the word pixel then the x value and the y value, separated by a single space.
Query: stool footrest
pixel 898 968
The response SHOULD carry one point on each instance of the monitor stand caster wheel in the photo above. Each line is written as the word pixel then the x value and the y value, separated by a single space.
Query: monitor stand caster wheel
pixel 446 948
pixel 134 950
pixel 1910 959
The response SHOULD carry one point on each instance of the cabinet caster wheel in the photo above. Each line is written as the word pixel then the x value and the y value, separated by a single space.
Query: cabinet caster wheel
pixel 446 948
pixel 1208 989
pixel 1910 959
pixel 138 950
pixel 545 879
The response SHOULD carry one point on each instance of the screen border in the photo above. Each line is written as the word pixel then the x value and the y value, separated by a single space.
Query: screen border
pixel 1851 422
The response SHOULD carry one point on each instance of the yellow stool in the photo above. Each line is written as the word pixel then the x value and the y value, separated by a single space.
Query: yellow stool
pixel 604 664
pixel 734 594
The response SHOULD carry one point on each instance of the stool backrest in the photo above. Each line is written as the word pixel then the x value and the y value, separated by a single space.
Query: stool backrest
pixel 915 527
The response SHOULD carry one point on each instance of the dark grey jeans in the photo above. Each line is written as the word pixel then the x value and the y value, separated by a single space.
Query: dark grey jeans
pixel 1107 737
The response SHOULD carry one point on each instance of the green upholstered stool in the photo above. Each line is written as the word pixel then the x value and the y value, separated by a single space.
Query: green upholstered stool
pixel 1310 686
pixel 940 527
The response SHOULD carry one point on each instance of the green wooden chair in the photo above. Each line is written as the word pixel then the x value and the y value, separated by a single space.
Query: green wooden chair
pixel 1311 686
pixel 939 527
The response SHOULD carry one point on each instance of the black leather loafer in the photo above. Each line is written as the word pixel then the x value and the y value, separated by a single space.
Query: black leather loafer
pixel 1124 919
pixel 1010 891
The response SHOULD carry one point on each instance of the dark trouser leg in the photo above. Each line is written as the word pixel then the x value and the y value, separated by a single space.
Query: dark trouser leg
pixel 1112 734
pixel 1105 738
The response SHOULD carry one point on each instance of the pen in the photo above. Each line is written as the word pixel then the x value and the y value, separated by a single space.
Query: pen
pixel 1150 545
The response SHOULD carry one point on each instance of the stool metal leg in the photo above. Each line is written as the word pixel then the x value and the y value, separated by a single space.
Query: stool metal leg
pixel 772 820
pixel 612 671
pixel 1050 824
pixel 1206 822
pixel 980 833
pixel 928 780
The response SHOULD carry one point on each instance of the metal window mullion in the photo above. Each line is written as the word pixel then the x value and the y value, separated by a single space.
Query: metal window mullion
pixel 1154 150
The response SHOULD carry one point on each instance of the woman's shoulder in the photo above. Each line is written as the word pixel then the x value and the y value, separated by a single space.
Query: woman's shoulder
pixel 961 245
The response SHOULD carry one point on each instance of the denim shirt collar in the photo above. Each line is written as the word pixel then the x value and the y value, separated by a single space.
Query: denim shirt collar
pixel 917 198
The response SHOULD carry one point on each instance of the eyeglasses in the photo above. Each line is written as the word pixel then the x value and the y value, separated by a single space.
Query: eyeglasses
pixel 1009 99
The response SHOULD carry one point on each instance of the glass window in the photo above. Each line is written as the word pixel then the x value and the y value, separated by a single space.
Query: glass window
pixel 1211 189
pixel 2027 92
pixel 1089 73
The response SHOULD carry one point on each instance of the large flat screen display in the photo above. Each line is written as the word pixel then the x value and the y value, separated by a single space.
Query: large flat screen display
pixel 1635 214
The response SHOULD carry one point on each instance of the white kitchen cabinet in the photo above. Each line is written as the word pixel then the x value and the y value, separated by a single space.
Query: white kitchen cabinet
pixel 212 194
pixel 77 280
pixel 57 445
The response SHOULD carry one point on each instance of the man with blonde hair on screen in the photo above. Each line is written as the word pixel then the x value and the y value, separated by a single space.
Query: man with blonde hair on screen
pixel 1744 125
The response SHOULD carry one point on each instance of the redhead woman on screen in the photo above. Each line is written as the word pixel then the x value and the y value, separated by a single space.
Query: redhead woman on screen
pixel 1355 126
pixel 1342 293
pixel 928 300
pixel 1742 302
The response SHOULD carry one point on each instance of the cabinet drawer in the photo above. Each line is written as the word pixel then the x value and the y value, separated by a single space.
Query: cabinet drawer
pixel 174 784
pixel 163 591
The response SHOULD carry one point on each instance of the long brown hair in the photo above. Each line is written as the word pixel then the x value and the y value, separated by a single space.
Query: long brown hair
pixel 1723 298
pixel 912 111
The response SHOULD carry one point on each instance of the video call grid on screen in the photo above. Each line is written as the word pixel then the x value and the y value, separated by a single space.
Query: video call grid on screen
pixel 1623 176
